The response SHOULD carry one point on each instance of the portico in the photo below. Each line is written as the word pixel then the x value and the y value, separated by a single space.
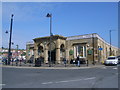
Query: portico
pixel 42 48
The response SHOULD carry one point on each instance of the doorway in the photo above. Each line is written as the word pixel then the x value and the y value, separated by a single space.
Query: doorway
pixel 53 56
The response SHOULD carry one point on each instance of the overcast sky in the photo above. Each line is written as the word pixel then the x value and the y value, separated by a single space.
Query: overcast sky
pixel 69 19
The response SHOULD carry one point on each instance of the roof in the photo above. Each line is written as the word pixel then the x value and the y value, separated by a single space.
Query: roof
pixel 89 36
pixel 46 37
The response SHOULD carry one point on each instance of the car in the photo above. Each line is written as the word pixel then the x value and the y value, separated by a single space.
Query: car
pixel 118 60
pixel 111 60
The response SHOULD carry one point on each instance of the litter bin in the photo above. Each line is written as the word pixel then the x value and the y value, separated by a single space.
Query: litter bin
pixel 37 62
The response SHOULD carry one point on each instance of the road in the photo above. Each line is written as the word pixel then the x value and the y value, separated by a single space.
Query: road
pixel 99 77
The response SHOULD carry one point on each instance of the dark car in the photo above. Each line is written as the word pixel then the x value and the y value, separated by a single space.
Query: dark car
pixel 118 59
pixel 82 60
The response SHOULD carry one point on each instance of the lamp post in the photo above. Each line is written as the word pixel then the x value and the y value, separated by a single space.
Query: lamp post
pixel 50 16
pixel 44 49
pixel 17 55
pixel 93 48
pixel 9 51
pixel 110 41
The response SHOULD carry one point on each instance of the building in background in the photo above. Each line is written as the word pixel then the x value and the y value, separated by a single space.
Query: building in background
pixel 70 48
pixel 30 51
pixel 20 53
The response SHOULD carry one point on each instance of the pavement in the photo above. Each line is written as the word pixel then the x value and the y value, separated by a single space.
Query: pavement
pixel 57 66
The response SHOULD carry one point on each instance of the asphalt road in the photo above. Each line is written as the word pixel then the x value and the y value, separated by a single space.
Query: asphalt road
pixel 101 77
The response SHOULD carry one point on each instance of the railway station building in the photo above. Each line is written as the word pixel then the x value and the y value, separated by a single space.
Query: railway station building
pixel 88 46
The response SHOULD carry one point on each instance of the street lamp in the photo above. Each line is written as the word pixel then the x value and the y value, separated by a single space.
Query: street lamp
pixel 50 16
pixel 9 51
pixel 93 48
pixel 17 55
pixel 110 41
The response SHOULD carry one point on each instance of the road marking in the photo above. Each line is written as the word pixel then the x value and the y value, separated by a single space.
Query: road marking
pixel 114 68
pixel 2 84
pixel 69 80
pixel 47 83
pixel 90 78
pixel 103 68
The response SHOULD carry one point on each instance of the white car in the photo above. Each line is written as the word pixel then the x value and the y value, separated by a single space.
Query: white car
pixel 111 60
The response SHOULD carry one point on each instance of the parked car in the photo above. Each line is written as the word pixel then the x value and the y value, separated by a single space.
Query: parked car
pixel 111 60
pixel 118 60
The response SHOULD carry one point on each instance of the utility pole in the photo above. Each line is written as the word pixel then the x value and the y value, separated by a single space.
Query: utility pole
pixel 17 51
pixel 110 43
pixel 9 50
pixel 93 48
pixel 50 16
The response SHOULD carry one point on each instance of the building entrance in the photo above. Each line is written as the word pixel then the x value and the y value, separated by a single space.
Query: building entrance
pixel 53 56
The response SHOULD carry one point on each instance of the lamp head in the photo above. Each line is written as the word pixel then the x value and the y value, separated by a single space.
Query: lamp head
pixel 48 15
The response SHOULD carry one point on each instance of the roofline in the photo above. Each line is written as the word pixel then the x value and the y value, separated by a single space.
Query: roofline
pixel 98 36
pixel 49 37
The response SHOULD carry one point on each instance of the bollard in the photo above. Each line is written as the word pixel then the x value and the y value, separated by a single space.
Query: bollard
pixel 87 63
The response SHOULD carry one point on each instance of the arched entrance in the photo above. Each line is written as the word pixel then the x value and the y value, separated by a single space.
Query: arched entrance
pixel 53 52
pixel 62 51
pixel 40 53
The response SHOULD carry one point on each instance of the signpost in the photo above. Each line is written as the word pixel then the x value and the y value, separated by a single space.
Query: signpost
pixel 100 48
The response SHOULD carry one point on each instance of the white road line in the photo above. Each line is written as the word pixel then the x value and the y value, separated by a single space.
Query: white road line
pixel 2 84
pixel 69 80
pixel 90 78
pixel 104 68
pixel 114 68
pixel 47 83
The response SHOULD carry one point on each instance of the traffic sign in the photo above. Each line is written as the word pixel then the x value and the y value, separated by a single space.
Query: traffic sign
pixel 100 49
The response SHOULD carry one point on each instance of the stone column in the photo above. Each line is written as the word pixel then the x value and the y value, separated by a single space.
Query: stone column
pixel 74 51
pixel 58 55
pixel 83 52
pixel 46 56
pixel 35 51
pixel 67 54
pixel 58 51
pixel 77 50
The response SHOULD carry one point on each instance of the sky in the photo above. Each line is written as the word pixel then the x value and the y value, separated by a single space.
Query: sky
pixel 68 19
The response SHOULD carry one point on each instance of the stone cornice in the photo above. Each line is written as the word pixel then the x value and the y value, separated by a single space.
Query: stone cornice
pixel 54 36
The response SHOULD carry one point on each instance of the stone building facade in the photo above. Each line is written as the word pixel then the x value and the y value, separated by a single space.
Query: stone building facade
pixel 71 47
pixel 30 51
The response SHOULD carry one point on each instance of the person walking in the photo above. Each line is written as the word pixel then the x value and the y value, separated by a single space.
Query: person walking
pixel 17 60
pixel 65 61
pixel 78 61
pixel 87 62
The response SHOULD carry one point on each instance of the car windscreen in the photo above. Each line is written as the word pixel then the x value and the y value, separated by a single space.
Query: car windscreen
pixel 109 58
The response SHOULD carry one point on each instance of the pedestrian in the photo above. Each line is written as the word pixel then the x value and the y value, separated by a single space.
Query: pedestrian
pixel 87 62
pixel 71 61
pixel 78 61
pixel 17 61
pixel 65 61
pixel 6 61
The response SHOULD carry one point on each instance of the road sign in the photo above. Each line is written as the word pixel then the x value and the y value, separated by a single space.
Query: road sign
pixel 100 49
